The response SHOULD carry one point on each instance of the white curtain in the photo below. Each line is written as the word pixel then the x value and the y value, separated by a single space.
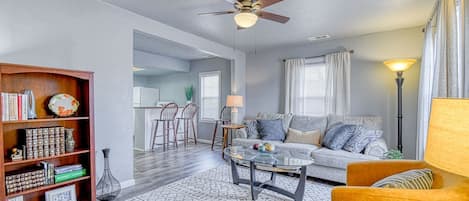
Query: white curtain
pixel 442 72
pixel 294 85
pixel 337 99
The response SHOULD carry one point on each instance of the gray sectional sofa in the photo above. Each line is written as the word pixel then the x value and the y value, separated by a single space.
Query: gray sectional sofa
pixel 328 164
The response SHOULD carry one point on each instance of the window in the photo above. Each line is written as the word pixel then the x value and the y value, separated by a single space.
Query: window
pixel 314 88
pixel 209 95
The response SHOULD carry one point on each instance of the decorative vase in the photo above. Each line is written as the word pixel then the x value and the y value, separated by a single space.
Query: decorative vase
pixel 108 187
pixel 31 107
pixel 69 141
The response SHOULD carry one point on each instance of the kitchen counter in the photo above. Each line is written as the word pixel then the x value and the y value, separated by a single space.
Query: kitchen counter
pixel 143 122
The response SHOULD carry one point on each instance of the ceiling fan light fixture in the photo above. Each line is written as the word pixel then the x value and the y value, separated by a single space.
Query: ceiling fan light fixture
pixel 245 19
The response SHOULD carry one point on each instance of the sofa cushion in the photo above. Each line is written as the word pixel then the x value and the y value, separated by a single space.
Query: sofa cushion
pixel 336 137
pixel 271 129
pixel 303 137
pixel 370 122
pixel 361 139
pixel 269 116
pixel 338 158
pixel 290 149
pixel 309 123
pixel 303 151
pixel 250 142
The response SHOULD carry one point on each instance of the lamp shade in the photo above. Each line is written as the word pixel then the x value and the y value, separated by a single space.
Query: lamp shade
pixel 448 136
pixel 234 101
pixel 399 65
pixel 245 19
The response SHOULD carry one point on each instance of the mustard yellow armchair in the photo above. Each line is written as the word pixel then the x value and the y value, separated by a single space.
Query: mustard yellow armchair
pixel 446 154
pixel 446 186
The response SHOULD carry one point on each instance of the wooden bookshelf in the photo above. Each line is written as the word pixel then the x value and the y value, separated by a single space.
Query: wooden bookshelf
pixel 46 82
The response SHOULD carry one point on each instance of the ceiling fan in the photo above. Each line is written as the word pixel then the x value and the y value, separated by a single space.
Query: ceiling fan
pixel 248 11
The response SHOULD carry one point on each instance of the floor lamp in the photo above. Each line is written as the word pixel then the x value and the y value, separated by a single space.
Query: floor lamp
pixel 399 66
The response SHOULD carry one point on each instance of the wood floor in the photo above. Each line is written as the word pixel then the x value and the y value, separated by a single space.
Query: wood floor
pixel 156 169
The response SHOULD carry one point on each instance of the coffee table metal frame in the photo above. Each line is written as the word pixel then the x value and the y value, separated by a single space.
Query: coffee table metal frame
pixel 257 186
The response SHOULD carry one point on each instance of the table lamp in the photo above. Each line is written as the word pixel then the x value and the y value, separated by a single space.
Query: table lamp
pixel 399 66
pixel 448 136
pixel 234 101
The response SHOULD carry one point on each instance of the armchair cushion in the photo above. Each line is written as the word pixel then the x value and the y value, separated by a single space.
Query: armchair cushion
pixel 411 179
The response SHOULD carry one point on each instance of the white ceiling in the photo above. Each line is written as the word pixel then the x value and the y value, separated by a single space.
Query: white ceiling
pixel 156 45
pixel 338 18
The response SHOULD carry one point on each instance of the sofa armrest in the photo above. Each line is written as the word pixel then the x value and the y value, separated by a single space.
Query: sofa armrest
pixel 369 172
pixel 377 148
pixel 240 133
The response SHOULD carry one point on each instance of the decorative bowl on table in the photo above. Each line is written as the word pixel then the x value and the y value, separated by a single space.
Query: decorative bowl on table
pixel 63 105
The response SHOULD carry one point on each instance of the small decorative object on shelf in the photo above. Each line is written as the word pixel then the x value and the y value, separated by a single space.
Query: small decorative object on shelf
pixel 16 154
pixel 69 141
pixel 66 193
pixel 31 107
pixel 63 105
pixel 189 91
pixel 108 187
pixel 393 154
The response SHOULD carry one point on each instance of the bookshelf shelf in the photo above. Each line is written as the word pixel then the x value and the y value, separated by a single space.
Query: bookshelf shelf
pixel 44 83
pixel 47 187
pixel 8 162
pixel 46 120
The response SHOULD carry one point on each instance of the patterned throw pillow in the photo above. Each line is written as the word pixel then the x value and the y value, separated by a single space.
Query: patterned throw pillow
pixel 271 129
pixel 251 129
pixel 308 137
pixel 361 138
pixel 413 179
pixel 338 137
pixel 330 133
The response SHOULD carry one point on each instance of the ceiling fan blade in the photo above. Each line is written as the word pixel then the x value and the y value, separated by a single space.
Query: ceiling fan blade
pixel 272 16
pixel 266 3
pixel 218 13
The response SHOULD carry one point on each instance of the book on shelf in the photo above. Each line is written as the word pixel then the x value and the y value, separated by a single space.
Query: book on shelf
pixel 68 168
pixel 43 142
pixel 14 106
pixel 70 175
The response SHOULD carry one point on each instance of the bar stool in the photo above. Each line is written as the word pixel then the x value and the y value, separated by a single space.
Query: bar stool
pixel 222 120
pixel 187 116
pixel 167 117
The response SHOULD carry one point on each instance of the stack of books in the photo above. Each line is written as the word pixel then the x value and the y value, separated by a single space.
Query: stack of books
pixel 69 172
pixel 14 107
pixel 24 180
pixel 43 142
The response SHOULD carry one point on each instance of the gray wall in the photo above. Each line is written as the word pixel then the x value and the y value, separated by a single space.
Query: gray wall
pixel 172 86
pixel 204 65
pixel 84 35
pixel 140 81
pixel 372 84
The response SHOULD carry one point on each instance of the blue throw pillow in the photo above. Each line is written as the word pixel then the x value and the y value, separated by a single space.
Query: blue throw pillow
pixel 271 129
pixel 335 139
pixel 361 138
pixel 330 133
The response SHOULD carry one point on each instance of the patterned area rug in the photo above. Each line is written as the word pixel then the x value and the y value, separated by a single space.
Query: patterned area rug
pixel 216 184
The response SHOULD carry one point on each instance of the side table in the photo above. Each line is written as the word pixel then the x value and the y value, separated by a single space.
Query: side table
pixel 229 128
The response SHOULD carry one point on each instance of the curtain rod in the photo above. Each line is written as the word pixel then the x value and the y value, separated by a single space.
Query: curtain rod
pixel 350 51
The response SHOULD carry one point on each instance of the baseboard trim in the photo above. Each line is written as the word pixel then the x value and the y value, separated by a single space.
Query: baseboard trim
pixel 138 149
pixel 204 141
pixel 128 183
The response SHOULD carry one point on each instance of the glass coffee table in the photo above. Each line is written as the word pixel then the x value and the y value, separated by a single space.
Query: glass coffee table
pixel 271 162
